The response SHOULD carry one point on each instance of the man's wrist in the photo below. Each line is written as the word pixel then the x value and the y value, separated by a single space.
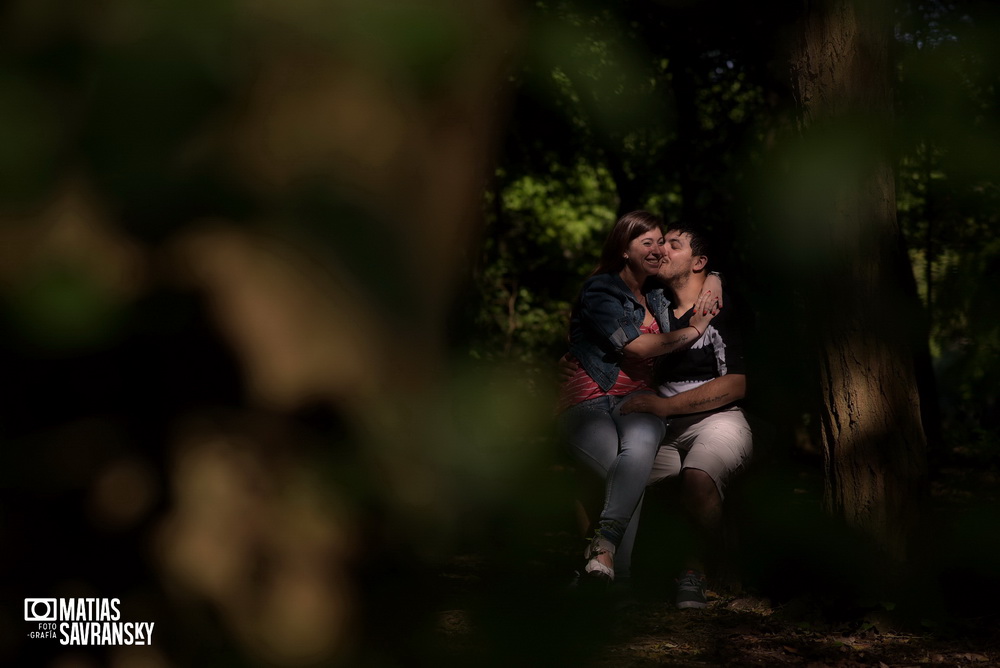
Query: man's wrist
pixel 662 406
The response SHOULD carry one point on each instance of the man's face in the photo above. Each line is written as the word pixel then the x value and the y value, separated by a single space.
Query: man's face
pixel 678 261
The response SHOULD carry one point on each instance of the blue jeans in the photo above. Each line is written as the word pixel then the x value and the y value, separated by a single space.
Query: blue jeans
pixel 618 448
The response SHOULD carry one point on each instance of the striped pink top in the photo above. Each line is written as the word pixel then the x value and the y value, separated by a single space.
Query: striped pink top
pixel 632 375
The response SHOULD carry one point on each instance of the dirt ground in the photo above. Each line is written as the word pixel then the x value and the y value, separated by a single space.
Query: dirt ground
pixel 738 628
pixel 750 632
pixel 741 630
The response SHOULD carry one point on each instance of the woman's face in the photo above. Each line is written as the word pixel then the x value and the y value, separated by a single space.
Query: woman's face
pixel 644 253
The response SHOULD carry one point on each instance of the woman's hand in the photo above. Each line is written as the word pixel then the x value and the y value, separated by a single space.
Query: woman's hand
pixel 567 367
pixel 705 309
pixel 713 284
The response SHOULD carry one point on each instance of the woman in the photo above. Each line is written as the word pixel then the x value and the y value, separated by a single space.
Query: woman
pixel 619 324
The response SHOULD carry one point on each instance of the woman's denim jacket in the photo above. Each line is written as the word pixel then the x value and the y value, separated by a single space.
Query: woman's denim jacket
pixel 607 317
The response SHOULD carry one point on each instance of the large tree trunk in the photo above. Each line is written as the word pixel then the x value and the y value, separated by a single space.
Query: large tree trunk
pixel 873 443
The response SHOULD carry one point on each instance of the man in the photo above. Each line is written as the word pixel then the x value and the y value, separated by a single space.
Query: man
pixel 708 439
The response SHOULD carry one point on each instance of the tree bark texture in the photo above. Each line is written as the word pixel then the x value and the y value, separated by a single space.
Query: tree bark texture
pixel 873 442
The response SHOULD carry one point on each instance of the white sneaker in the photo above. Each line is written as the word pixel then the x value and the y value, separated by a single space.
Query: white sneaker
pixel 597 546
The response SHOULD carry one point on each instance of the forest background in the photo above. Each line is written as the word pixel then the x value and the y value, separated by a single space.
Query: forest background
pixel 284 285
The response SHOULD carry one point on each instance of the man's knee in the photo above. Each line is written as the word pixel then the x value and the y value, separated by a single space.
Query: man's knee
pixel 699 487
pixel 695 476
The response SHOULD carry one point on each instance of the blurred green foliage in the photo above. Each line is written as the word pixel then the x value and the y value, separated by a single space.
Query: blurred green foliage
pixel 61 308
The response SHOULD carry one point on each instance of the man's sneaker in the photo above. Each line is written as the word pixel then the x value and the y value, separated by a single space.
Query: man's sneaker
pixel 691 590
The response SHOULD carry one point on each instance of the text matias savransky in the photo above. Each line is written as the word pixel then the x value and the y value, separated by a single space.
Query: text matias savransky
pixel 85 621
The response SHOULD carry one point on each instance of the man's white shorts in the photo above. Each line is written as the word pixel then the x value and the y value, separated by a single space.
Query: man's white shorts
pixel 719 443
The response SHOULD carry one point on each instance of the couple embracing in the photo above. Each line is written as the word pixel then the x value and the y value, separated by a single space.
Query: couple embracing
pixel 651 390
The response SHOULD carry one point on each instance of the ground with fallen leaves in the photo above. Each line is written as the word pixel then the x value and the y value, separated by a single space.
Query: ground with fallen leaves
pixel 744 631
pixel 738 628
pixel 749 632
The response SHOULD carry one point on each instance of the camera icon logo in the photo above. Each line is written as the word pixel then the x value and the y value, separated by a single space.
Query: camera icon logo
pixel 40 610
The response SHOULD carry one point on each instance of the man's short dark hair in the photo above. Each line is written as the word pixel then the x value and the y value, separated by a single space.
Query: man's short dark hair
pixel 701 240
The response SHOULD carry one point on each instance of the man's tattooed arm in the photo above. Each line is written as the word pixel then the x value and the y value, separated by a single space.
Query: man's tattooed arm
pixel 716 393
pixel 709 403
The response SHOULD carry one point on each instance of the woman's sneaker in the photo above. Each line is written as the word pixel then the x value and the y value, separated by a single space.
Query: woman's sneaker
pixel 691 590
